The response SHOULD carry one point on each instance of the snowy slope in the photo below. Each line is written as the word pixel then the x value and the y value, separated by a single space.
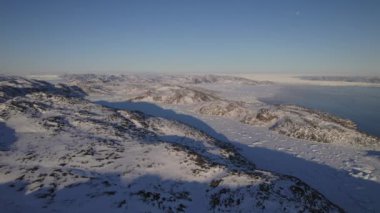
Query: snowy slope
pixel 290 120
pixel 346 175
pixel 156 88
pixel 295 121
pixel 70 154
pixel 175 94
pixel 345 167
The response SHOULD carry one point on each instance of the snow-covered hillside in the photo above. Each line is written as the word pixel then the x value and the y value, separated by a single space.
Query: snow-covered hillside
pixel 290 120
pixel 296 122
pixel 175 94
pixel 326 151
pixel 157 88
pixel 66 153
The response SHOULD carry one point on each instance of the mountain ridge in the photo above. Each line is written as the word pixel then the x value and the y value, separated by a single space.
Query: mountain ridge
pixel 66 144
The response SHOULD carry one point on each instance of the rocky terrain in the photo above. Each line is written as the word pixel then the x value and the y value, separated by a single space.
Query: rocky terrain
pixel 297 122
pixel 156 78
pixel 289 120
pixel 175 94
pixel 169 89
pixel 70 154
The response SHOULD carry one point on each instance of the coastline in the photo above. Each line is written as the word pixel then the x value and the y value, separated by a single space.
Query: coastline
pixel 295 79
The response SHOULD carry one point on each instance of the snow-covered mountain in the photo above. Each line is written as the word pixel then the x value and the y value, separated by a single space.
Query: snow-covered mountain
pixel 170 89
pixel 70 154
pixel 295 121
pixel 157 78
pixel 289 120
pixel 175 94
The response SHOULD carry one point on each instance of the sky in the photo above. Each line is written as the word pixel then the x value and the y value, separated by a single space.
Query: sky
pixel 190 36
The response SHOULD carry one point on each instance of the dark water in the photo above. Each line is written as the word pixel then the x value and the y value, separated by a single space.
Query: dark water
pixel 359 104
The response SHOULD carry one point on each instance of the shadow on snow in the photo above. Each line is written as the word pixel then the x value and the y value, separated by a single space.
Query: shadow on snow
pixel 7 137
pixel 354 194
pixel 157 111
pixel 337 185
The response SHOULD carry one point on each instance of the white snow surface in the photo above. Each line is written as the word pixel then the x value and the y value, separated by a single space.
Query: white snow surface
pixel 68 153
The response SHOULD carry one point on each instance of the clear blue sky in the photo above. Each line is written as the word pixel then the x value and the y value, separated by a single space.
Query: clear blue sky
pixel 283 36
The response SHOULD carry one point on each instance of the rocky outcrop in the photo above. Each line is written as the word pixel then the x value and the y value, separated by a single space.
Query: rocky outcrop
pixel 169 94
pixel 74 155
pixel 294 121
